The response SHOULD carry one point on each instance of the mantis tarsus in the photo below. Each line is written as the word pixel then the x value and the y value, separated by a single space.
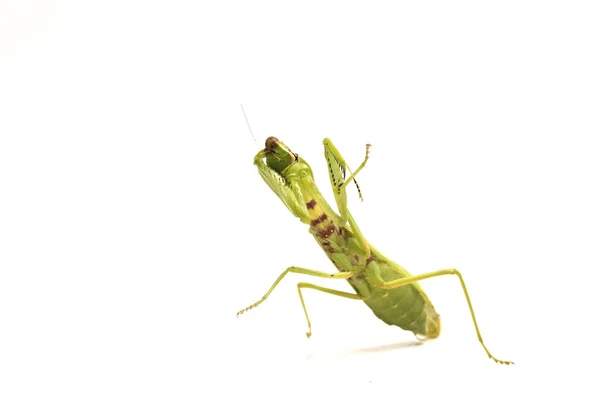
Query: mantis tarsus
pixel 391 292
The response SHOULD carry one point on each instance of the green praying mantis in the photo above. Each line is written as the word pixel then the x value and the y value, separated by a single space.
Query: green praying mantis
pixel 392 293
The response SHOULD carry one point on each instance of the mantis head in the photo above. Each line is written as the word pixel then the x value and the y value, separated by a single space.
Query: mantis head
pixel 278 156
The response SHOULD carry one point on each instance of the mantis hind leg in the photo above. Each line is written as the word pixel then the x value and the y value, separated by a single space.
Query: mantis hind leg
pixel 416 278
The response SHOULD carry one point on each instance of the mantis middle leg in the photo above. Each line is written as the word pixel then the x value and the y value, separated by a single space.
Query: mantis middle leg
pixel 337 275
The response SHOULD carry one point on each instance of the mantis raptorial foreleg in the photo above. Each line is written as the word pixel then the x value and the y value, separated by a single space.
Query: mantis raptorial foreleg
pixel 290 194
pixel 374 273
pixel 353 176
pixel 337 176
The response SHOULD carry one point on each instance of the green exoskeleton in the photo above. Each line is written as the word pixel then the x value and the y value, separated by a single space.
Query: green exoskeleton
pixel 391 292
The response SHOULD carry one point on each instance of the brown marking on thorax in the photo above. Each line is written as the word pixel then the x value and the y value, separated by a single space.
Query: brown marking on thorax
pixel 328 234
pixel 327 231
pixel 318 220
pixel 322 226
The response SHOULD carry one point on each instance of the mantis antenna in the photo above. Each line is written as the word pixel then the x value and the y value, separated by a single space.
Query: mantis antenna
pixel 247 123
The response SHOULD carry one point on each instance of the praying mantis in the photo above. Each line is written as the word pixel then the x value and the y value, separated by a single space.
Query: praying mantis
pixel 391 292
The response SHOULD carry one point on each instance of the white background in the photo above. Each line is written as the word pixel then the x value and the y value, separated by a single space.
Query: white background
pixel 133 225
